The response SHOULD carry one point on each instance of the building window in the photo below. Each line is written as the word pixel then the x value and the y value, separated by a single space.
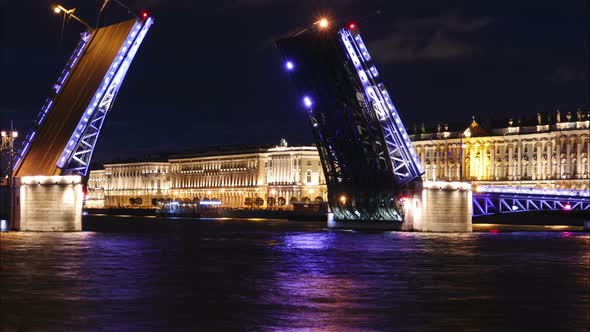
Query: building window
pixel 308 176
pixel 309 163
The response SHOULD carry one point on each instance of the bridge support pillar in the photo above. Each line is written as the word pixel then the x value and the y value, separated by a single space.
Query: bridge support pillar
pixel 438 206
pixel 47 203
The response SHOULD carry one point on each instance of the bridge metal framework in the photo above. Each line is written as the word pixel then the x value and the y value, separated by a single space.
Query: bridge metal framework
pixel 489 200
pixel 365 151
pixel 77 160
pixel 66 130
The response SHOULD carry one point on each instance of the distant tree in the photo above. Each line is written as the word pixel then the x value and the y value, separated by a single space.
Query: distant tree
pixel 248 201
pixel 187 200
pixel 281 201
pixel 155 201
pixel 293 200
pixel 132 201
pixel 271 201
pixel 259 202
pixel 306 199
pixel 319 199
pixel 138 200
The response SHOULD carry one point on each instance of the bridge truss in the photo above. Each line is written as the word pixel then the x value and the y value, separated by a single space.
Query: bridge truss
pixel 365 151
pixel 489 200
pixel 66 130
pixel 77 160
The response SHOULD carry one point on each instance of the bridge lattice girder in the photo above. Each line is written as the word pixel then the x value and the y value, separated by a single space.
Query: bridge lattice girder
pixel 365 151
pixel 65 133
pixel 497 203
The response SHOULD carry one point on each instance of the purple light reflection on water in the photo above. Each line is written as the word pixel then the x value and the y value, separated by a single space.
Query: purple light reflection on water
pixel 239 275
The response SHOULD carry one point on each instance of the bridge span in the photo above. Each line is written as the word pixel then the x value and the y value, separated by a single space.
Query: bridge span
pixel 47 189
pixel 489 200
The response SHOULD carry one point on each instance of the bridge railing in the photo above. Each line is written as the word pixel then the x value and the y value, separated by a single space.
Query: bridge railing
pixel 488 200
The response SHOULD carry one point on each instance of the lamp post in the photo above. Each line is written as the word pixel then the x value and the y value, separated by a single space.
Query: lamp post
pixel 7 147
pixel 58 9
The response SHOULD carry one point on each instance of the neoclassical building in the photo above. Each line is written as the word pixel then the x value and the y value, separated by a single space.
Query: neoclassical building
pixel 117 183
pixel 281 174
pixel 548 154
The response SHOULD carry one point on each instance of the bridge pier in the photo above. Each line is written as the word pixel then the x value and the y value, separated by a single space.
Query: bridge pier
pixel 431 206
pixel 438 206
pixel 47 203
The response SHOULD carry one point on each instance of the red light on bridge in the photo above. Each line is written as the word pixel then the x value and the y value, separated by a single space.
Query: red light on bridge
pixel 494 231
pixel 144 14
pixel 567 207
pixel 352 25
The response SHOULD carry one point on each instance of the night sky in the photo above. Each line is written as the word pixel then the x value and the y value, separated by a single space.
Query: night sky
pixel 209 74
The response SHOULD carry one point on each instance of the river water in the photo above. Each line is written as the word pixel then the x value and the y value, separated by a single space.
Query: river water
pixel 233 275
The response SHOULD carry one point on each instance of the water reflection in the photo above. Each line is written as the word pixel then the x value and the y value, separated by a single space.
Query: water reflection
pixel 241 275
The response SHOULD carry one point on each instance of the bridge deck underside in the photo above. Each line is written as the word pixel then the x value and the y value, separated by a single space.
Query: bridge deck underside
pixel 71 102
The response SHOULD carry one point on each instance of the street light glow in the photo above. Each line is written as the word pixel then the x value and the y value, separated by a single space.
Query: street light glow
pixel 307 101
pixel 56 9
pixel 323 23
pixel 289 65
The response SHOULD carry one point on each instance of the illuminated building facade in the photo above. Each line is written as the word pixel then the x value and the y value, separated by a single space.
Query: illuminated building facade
pixel 277 175
pixel 550 155
pixel 546 155
pixel 117 184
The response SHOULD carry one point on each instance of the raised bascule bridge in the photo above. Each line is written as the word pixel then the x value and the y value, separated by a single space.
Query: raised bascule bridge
pixel 373 174
pixel 372 171
pixel 47 187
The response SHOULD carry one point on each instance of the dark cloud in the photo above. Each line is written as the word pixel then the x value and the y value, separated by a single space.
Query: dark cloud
pixel 433 38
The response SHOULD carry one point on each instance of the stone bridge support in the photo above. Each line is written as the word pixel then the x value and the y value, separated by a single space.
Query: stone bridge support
pixel 438 206
pixel 47 203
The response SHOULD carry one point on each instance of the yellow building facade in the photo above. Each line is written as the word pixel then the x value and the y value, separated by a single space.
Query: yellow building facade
pixel 546 155
pixel 281 174
pixel 550 155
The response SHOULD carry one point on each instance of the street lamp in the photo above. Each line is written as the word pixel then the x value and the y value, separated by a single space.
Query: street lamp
pixel 343 199
pixel 7 146
pixel 58 9
pixel 323 23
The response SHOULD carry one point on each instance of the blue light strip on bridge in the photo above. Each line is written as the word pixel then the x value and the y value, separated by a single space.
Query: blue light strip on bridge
pixel 124 56
pixel 72 62
pixel 407 165
pixel 532 191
